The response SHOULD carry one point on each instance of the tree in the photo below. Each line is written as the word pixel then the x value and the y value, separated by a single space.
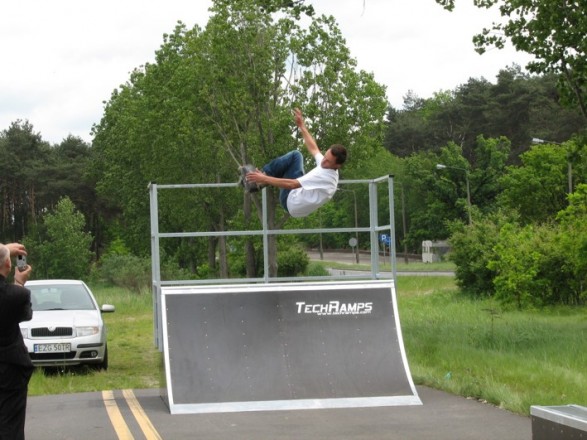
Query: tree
pixel 61 248
pixel 519 107
pixel 538 188
pixel 222 96
pixel 24 156
pixel 552 32
pixel 573 242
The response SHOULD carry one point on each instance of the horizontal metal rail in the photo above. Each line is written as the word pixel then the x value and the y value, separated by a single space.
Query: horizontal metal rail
pixel 268 232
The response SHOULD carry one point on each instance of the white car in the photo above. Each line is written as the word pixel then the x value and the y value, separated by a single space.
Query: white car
pixel 67 326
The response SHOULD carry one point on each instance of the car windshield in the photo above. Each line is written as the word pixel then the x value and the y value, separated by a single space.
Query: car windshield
pixel 60 297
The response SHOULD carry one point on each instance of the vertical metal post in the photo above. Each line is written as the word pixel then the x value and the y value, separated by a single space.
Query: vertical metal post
pixel 155 267
pixel 373 225
pixel 356 226
pixel 265 236
pixel 392 250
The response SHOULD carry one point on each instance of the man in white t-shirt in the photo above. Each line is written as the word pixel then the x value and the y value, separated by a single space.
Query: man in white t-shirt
pixel 301 194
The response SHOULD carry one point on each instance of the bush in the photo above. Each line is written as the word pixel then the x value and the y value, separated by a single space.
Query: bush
pixel 317 270
pixel 526 266
pixel 472 248
pixel 127 271
pixel 292 262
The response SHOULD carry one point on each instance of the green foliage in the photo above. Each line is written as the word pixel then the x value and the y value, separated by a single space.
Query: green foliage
pixel 537 188
pixel 473 248
pixel 573 240
pixel 24 179
pixel 292 262
pixel 533 265
pixel 517 263
pixel 518 107
pixel 554 35
pixel 62 249
pixel 221 96
pixel 316 270
pixel 434 197
pixel 117 247
pixel 118 267
pixel 35 176
pixel 126 271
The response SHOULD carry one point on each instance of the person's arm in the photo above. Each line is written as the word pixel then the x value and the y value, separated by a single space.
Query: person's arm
pixel 16 249
pixel 20 278
pixel 27 308
pixel 264 179
pixel 309 140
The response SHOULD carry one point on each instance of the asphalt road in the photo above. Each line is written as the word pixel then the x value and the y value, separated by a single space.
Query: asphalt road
pixel 350 258
pixel 142 414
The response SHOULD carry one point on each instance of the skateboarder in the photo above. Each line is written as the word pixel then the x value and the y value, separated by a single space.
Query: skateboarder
pixel 300 194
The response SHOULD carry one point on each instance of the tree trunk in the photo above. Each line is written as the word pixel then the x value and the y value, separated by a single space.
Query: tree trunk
pixel 272 241
pixel 212 253
pixel 222 253
pixel 250 263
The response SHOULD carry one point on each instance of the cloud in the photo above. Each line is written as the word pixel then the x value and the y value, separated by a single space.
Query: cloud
pixel 63 58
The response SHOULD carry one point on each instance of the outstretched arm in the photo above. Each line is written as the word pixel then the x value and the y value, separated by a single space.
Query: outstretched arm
pixel 309 140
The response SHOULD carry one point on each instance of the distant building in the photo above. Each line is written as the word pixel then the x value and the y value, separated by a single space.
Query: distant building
pixel 433 251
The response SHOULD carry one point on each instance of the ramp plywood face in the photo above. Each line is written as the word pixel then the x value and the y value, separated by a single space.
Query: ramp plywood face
pixel 237 348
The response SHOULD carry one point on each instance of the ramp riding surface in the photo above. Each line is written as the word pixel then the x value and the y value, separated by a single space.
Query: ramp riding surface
pixel 284 346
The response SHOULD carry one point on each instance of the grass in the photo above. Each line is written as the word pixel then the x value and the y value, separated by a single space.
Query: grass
pixel 513 359
pixel 442 266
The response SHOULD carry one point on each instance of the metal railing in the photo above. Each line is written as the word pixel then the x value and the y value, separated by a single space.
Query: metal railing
pixel 373 229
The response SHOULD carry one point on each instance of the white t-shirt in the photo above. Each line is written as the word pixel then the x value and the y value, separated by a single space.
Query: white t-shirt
pixel 318 187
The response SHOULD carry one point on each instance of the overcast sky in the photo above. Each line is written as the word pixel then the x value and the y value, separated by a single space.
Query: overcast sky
pixel 61 59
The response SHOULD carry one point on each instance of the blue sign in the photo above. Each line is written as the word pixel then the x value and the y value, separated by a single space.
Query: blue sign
pixel 385 239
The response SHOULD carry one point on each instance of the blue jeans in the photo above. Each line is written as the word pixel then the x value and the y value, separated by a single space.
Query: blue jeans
pixel 288 166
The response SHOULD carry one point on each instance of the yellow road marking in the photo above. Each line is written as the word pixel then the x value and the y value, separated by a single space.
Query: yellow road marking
pixel 142 419
pixel 116 418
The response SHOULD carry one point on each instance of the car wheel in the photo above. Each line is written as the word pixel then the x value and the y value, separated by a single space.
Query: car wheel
pixel 104 364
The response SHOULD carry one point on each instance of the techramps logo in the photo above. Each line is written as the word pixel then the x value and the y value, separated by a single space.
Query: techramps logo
pixel 335 308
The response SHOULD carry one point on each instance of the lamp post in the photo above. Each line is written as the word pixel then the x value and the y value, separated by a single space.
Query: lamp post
pixel 440 166
pixel 569 164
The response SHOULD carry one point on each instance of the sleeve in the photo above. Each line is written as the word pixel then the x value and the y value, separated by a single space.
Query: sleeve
pixel 27 309
pixel 318 158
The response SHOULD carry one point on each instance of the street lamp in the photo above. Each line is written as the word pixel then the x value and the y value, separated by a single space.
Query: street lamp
pixel 569 164
pixel 440 166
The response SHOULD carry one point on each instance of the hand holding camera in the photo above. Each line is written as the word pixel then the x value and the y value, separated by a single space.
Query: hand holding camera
pixel 21 263
pixel 21 275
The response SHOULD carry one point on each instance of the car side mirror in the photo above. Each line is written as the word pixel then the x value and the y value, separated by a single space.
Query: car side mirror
pixel 107 308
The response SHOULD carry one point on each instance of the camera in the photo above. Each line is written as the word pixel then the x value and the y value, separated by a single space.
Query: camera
pixel 21 262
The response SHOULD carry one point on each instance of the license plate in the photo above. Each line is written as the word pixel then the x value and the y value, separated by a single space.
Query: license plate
pixel 52 348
